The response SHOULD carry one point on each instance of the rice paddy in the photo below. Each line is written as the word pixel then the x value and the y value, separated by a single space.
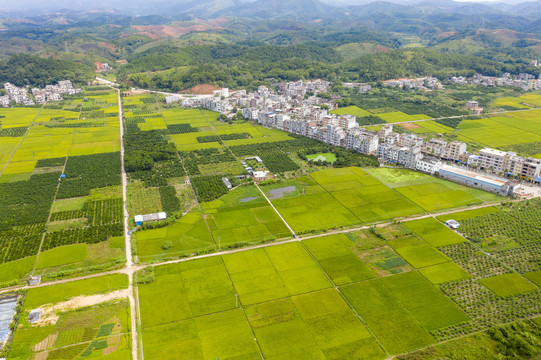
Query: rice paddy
pixel 226 297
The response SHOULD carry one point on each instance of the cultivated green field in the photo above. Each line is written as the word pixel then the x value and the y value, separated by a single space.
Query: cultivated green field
pixel 243 216
pixel 209 307
pixel 351 197
pixel 430 193
pixel 504 130
pixel 187 235
pixel 508 285
pixel 81 140
pixel 426 127
pixel 351 110
pixel 434 232
pixel 406 301
pixel 398 116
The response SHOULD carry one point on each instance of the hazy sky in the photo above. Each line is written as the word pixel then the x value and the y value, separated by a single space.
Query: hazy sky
pixel 118 4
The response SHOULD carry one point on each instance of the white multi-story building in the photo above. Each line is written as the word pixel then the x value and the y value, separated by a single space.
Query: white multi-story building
pixel 428 165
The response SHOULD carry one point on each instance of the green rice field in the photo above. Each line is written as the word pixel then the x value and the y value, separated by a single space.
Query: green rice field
pixel 222 307
pixel 430 193
pixel 503 130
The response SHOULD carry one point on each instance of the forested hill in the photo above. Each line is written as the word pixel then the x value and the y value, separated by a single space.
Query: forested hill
pixel 31 70
pixel 248 69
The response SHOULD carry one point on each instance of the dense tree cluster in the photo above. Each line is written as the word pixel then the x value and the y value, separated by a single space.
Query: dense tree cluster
pixel 20 242
pixel 27 202
pixel 170 203
pixel 274 158
pixel 180 128
pixel 87 172
pixel 238 66
pixel 13 132
pixel 87 235
pixel 23 69
pixel 208 188
pixel 521 224
pixel 144 148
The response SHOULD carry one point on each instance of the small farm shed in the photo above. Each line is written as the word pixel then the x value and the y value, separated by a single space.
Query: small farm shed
pixel 140 219
pixel 453 224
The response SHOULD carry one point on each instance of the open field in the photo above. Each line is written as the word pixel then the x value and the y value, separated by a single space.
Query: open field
pixel 442 273
pixel 243 216
pixel 397 116
pixel 504 130
pixel 351 110
pixel 334 255
pixel 57 293
pixel 187 235
pixel 526 101
pixel 425 127
pixel 328 157
pixel 508 285
pixel 349 191
pixel 534 276
pixel 434 232
pixel 430 193
pixel 350 196
pixel 295 298
pixel 402 301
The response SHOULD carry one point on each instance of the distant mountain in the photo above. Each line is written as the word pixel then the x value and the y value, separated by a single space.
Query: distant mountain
pixel 266 9
pixel 414 16
pixel 530 10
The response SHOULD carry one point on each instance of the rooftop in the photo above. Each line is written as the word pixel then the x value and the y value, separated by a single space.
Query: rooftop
pixel 473 175
pixel 492 152
pixel 151 217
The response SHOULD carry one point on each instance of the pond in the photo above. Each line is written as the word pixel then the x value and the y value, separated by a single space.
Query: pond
pixel 280 192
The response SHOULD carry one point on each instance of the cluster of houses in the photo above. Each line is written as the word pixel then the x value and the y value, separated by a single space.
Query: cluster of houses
pixel 20 95
pixel 290 109
pixel 55 92
pixel 524 81
pixel 15 95
pixel 422 83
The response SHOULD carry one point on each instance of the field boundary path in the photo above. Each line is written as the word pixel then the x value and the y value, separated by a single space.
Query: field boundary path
pixel 276 210
pixel 130 269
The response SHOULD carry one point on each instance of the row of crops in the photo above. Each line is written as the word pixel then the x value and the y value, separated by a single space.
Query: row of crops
pixel 522 224
pixel 103 219
pixel 20 242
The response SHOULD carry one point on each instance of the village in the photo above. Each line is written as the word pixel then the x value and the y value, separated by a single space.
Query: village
pixel 526 82
pixel 296 108
pixel 20 95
